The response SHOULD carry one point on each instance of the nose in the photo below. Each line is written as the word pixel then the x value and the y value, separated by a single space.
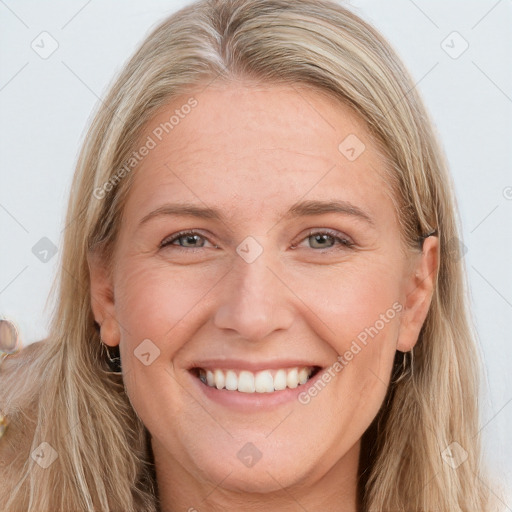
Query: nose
pixel 254 301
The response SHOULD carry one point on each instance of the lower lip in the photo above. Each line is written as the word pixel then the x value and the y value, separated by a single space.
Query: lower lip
pixel 253 401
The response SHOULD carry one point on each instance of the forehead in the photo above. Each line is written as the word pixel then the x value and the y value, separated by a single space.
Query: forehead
pixel 257 149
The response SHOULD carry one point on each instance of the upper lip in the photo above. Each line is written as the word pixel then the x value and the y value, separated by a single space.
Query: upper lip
pixel 239 364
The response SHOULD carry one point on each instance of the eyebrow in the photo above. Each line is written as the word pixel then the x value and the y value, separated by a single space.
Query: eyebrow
pixel 300 209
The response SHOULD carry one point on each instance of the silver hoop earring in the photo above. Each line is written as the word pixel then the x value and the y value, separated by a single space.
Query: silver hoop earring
pixel 407 366
pixel 113 357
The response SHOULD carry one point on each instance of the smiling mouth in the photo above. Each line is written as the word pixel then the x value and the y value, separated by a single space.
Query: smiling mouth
pixel 264 381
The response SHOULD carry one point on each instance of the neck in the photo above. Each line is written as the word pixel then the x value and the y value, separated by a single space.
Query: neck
pixel 179 490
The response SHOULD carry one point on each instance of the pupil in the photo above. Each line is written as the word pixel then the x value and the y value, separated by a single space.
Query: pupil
pixel 321 238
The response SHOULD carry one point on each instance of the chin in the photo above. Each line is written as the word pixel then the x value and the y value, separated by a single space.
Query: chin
pixel 263 478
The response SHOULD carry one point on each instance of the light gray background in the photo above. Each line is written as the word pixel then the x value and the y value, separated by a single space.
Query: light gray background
pixel 45 105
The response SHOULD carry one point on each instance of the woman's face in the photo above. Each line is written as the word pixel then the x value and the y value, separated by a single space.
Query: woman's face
pixel 289 264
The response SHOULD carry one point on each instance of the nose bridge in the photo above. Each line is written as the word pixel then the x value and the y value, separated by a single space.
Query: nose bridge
pixel 254 302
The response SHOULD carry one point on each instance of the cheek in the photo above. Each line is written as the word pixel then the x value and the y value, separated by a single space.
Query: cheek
pixel 153 299
pixel 158 309
pixel 360 307
pixel 154 307
pixel 349 299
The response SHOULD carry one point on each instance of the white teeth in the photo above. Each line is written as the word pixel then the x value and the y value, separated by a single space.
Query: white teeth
pixel 246 382
pixel 303 375
pixel 292 379
pixel 280 380
pixel 220 380
pixel 265 381
pixel 231 380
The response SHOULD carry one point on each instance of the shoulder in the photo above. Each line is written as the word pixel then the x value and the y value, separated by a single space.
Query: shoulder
pixel 17 371
pixel 19 359
pixel 18 396
pixel 19 377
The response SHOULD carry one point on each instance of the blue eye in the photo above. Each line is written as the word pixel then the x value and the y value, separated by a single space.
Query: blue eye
pixel 326 239
pixel 189 237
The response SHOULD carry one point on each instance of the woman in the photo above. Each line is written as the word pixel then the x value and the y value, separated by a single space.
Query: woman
pixel 269 364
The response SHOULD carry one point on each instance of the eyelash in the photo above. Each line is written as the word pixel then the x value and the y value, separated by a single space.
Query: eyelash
pixel 344 242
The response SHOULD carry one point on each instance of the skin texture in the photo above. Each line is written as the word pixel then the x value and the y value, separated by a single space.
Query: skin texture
pixel 253 151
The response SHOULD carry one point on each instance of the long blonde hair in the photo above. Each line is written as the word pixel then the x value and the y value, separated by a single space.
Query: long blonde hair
pixel 71 401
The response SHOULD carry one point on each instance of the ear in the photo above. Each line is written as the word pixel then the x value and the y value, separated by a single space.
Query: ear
pixel 102 299
pixel 418 293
